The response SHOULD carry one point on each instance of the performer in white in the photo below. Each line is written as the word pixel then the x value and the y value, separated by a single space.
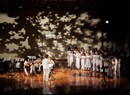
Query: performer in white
pixel 114 67
pixel 101 63
pixel 68 56
pixel 46 70
pixel 77 58
pixel 51 65
pixel 94 61
pixel 71 58
pixel 118 66
pixel 88 61
pixel 83 59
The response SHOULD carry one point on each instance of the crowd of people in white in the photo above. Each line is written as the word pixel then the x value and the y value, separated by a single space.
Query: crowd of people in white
pixel 95 60
pixel 100 60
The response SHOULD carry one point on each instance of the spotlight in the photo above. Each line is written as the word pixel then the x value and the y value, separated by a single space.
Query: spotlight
pixel 107 21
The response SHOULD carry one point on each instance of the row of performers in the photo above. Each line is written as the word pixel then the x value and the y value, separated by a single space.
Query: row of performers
pixel 34 66
pixel 94 62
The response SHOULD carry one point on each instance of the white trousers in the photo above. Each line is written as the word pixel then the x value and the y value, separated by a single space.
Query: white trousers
pixel 46 74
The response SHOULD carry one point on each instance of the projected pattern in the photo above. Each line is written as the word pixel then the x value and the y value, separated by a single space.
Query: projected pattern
pixel 47 32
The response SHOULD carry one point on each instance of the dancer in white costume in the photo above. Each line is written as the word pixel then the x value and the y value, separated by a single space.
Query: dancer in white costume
pixel 101 59
pixel 94 61
pixel 71 60
pixel 68 56
pixel 46 70
pixel 83 59
pixel 88 61
pixel 77 57
pixel 115 66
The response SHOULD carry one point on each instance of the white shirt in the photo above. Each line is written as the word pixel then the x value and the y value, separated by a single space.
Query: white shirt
pixel 45 63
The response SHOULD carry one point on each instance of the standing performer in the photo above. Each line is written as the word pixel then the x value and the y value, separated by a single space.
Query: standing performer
pixel 77 58
pixel 94 61
pixel 46 70
pixel 83 58
pixel 71 58
pixel 101 59
pixel 118 66
pixel 88 61
pixel 68 56
pixel 114 67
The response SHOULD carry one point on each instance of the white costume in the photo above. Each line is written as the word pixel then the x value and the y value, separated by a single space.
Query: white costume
pixel 83 58
pixel 94 62
pixel 46 70
pixel 88 62
pixel 77 58
pixel 97 62
pixel 101 63
pixel 114 67
pixel 71 58
pixel 68 57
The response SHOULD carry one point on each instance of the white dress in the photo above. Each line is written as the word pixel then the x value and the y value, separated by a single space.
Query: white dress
pixel 68 57
pixel 77 58
pixel 88 62
pixel 71 58
pixel 94 62
pixel 83 58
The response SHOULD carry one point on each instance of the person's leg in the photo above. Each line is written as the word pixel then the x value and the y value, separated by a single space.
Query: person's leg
pixel 25 70
pixel 47 74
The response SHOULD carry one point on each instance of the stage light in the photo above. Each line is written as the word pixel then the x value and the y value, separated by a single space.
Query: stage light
pixel 107 21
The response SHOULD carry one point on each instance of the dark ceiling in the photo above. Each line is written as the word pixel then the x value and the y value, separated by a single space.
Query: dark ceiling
pixel 93 5
pixel 116 10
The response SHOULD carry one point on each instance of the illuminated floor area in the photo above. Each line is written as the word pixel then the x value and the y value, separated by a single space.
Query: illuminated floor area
pixel 63 81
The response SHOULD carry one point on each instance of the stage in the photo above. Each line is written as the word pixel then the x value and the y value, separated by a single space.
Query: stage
pixel 63 80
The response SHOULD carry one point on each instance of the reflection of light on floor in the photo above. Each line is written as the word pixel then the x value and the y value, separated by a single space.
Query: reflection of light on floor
pixel 46 88
pixel 69 80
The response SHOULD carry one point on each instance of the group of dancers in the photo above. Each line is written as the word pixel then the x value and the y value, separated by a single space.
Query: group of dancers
pixel 32 66
pixel 95 60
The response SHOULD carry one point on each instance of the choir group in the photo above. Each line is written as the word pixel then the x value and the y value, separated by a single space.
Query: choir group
pixel 95 60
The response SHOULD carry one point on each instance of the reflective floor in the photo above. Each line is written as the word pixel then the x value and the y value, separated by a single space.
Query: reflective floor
pixel 63 81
